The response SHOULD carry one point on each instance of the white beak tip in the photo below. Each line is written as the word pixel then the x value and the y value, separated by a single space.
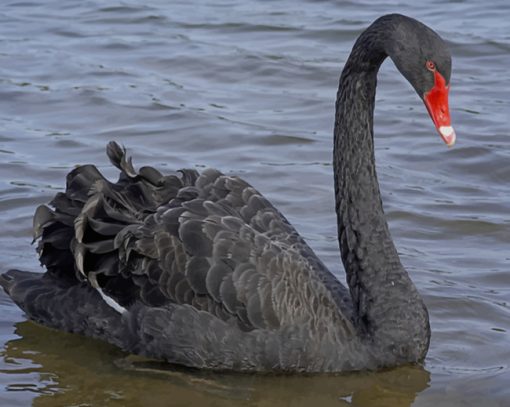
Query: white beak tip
pixel 448 135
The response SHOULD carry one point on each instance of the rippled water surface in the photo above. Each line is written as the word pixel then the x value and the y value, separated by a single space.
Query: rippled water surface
pixel 249 88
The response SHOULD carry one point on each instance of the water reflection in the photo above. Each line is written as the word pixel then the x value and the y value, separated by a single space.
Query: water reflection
pixel 72 370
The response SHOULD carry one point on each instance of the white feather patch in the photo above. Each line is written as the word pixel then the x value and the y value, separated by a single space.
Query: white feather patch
pixel 109 300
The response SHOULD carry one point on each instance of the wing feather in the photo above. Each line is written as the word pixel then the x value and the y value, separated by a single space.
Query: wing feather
pixel 209 240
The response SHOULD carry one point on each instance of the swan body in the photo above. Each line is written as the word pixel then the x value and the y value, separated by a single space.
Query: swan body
pixel 199 269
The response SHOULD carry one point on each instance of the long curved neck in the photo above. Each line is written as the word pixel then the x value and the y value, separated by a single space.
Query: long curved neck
pixel 384 298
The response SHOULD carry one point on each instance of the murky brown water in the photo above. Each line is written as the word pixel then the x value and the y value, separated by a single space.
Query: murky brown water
pixel 249 88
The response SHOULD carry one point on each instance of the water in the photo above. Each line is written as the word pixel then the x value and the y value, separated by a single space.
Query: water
pixel 249 87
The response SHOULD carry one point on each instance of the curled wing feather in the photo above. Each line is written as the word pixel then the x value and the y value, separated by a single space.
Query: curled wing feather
pixel 207 240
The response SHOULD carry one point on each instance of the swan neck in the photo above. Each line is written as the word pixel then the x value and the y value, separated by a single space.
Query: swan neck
pixel 383 295
pixel 367 250
pixel 361 222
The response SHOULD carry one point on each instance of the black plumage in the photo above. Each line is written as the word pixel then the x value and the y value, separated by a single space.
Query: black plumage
pixel 201 270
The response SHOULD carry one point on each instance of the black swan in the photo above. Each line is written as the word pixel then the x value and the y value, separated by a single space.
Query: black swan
pixel 201 270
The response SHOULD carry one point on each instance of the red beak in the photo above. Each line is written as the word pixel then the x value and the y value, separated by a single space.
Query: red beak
pixel 436 101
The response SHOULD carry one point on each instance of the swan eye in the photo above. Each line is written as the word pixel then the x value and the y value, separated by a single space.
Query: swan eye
pixel 431 66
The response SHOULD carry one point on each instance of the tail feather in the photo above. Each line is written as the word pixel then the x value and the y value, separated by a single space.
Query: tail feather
pixel 88 228
pixel 66 306
pixel 88 231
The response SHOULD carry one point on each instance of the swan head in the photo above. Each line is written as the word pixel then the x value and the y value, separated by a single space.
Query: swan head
pixel 424 59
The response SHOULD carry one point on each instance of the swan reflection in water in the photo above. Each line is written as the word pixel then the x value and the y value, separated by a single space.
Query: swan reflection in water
pixel 74 370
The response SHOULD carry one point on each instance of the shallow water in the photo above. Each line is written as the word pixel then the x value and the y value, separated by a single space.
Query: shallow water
pixel 249 87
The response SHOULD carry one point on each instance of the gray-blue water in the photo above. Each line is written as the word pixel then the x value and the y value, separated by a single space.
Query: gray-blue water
pixel 249 87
